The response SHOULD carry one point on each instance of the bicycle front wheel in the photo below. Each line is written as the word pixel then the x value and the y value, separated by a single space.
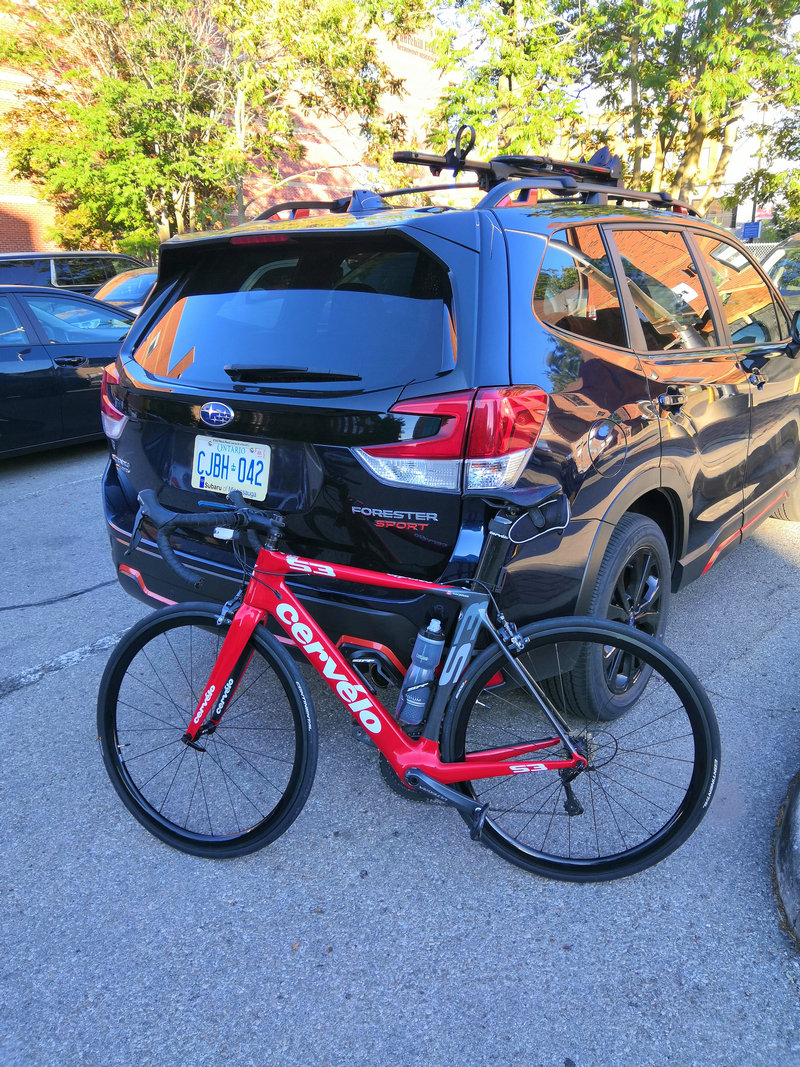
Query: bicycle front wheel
pixel 251 777
pixel 650 774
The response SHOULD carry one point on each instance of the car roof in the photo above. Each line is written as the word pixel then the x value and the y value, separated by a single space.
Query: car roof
pixel 123 275
pixel 542 218
pixel 62 255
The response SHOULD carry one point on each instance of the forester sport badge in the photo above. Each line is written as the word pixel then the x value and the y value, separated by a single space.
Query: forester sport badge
pixel 216 414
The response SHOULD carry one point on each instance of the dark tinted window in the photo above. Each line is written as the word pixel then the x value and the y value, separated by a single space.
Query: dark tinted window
pixel 670 300
pixel 12 332
pixel 117 264
pixel 80 270
pixel 575 289
pixel 24 271
pixel 784 270
pixel 65 320
pixel 369 311
pixel 746 299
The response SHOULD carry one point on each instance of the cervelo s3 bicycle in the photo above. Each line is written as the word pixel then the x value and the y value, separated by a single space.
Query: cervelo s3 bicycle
pixel 577 748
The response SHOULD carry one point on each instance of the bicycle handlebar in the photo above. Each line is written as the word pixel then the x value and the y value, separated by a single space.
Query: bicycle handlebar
pixel 534 502
pixel 239 517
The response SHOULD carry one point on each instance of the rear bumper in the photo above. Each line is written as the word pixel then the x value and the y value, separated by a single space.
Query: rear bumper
pixel 543 581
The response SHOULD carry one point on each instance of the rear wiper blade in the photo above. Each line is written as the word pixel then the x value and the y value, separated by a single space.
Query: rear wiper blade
pixel 255 375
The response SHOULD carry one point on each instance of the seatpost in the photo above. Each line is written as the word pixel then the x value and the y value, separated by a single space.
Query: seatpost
pixel 495 548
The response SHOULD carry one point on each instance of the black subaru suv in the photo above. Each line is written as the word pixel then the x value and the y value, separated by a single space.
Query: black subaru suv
pixel 381 374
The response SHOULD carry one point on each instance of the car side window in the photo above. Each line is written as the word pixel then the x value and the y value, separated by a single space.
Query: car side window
pixel 753 316
pixel 575 288
pixel 71 321
pixel 12 332
pixel 25 272
pixel 116 265
pixel 80 270
pixel 784 271
pixel 665 285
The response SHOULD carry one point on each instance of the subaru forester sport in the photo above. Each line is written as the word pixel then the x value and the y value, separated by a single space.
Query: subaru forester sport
pixel 381 375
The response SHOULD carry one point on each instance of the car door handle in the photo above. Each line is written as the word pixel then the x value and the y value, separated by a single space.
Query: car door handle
pixel 71 361
pixel 672 399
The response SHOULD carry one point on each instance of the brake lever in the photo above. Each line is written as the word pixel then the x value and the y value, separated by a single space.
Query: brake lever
pixel 136 534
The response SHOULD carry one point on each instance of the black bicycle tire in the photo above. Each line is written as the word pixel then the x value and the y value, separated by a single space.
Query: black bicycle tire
pixel 705 771
pixel 301 717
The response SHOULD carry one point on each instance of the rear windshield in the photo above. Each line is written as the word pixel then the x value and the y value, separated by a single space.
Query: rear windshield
pixel 127 288
pixel 366 311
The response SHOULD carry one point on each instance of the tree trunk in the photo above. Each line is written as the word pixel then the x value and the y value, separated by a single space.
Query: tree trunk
pixel 240 125
pixel 659 162
pixel 730 133
pixel 684 182
pixel 636 109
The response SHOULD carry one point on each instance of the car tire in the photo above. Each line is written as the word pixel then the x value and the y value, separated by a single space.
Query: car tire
pixel 789 509
pixel 633 587
pixel 634 581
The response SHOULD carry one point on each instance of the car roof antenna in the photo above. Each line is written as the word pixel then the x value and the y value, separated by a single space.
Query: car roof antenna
pixel 454 157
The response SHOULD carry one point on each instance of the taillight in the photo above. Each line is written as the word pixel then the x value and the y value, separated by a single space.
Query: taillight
pixel 476 440
pixel 504 428
pixel 112 418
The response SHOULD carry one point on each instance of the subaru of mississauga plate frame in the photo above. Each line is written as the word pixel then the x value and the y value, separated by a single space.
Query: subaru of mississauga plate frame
pixel 220 466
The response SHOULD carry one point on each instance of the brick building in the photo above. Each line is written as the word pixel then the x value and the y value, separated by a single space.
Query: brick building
pixel 24 218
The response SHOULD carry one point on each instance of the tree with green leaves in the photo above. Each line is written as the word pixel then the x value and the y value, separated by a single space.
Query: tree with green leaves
pixel 673 80
pixel 512 63
pixel 682 76
pixel 142 119
pixel 775 179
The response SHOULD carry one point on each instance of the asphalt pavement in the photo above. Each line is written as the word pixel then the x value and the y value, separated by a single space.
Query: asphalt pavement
pixel 374 930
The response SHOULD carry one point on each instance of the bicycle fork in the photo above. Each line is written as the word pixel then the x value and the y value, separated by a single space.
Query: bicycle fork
pixel 234 656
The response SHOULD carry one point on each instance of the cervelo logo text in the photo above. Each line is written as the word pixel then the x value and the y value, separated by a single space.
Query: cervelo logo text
pixel 201 710
pixel 224 695
pixel 353 695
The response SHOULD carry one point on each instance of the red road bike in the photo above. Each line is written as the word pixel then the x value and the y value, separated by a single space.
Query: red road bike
pixel 576 748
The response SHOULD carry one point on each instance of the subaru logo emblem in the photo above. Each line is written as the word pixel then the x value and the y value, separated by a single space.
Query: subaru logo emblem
pixel 216 414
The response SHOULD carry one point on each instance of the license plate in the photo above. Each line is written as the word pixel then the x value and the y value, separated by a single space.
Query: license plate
pixel 220 466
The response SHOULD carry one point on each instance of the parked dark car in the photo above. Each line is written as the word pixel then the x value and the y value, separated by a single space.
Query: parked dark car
pixel 379 374
pixel 783 267
pixel 78 272
pixel 53 348
pixel 129 289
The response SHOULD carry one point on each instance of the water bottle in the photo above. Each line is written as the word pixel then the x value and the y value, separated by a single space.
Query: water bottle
pixel 416 689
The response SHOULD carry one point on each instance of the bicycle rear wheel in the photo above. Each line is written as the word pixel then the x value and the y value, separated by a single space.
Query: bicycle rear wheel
pixel 255 773
pixel 651 771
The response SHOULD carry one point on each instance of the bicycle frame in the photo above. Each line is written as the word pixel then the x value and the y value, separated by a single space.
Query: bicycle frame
pixel 267 594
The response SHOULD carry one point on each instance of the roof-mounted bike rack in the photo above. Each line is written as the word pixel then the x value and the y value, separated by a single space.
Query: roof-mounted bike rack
pixel 596 182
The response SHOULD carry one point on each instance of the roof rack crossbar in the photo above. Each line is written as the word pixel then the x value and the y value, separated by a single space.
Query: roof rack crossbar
pixel 334 206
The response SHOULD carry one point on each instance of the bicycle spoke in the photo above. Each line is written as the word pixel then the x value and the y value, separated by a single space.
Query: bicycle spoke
pixel 640 737
pixel 236 781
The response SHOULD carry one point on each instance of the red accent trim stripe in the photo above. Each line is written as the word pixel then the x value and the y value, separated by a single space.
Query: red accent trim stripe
pixel 129 572
pixel 363 643
pixel 741 530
